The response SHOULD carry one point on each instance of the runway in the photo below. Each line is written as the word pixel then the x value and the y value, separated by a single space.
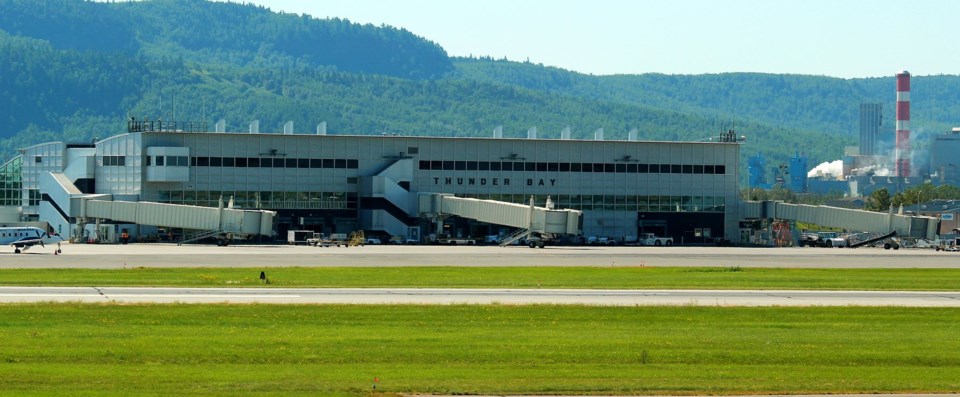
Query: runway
pixel 170 255
pixel 478 296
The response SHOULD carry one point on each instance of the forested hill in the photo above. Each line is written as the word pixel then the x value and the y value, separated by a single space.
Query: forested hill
pixel 74 70
pixel 812 103
pixel 212 32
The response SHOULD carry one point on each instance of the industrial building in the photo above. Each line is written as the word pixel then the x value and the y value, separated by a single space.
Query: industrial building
pixel 893 164
pixel 943 157
pixel 871 121
pixel 341 183
pixel 791 176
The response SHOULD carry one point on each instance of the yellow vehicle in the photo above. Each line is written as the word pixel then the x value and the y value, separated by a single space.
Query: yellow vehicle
pixel 357 239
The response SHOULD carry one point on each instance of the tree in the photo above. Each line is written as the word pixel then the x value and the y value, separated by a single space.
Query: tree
pixel 915 195
pixel 878 201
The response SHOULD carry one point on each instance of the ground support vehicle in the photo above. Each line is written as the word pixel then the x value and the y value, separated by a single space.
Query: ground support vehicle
pixel 652 239
pixel 538 240
pixel 832 239
pixel 809 240
pixel 299 237
pixel 356 239
pixel 949 245
pixel 823 239
pixel 601 240
pixel 889 241
pixel 323 240
pixel 445 239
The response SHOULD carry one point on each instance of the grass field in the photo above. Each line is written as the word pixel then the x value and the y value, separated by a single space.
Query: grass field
pixel 91 349
pixel 506 277
pixel 74 349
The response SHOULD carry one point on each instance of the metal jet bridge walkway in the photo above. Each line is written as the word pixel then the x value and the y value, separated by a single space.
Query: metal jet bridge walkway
pixel 209 221
pixel 527 218
pixel 64 201
pixel 849 219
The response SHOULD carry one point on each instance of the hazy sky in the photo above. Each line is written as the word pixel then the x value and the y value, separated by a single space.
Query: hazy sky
pixel 841 38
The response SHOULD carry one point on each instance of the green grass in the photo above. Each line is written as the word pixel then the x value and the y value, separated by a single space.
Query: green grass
pixel 84 349
pixel 505 277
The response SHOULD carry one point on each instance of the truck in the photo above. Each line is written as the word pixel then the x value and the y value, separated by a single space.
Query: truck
pixel 653 239
pixel 298 237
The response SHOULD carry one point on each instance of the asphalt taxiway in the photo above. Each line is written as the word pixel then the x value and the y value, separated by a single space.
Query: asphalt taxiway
pixel 171 255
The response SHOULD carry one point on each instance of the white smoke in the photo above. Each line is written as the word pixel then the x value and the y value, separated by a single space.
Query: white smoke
pixel 875 169
pixel 828 169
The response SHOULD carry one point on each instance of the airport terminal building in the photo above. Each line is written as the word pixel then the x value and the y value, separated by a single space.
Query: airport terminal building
pixel 341 183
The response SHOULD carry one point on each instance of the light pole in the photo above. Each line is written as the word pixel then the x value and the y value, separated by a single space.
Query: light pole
pixel 919 192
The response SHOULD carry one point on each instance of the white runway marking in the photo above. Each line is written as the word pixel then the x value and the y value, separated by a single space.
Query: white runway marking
pixel 446 296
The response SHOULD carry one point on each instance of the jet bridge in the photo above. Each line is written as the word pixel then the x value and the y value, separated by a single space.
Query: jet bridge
pixel 850 219
pixel 65 206
pixel 528 218
pixel 215 221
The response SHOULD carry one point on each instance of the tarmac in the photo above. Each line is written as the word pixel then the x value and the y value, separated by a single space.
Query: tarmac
pixel 110 256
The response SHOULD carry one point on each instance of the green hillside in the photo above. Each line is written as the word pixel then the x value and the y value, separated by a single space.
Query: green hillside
pixel 74 70
pixel 810 103
pixel 227 33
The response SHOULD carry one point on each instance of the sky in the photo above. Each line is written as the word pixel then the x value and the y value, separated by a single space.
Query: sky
pixel 838 38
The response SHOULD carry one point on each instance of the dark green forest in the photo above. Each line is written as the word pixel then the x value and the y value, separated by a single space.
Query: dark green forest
pixel 73 70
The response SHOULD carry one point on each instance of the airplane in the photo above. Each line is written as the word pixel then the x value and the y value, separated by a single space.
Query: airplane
pixel 22 238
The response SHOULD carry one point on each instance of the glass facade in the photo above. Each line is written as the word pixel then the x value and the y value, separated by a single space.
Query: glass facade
pixel 11 183
pixel 619 168
pixel 38 160
pixel 267 162
pixel 616 202
pixel 257 199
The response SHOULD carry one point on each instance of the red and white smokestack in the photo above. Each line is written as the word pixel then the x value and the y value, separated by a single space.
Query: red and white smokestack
pixel 902 152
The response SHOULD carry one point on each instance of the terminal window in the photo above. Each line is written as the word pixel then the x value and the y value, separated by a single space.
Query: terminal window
pixel 630 168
